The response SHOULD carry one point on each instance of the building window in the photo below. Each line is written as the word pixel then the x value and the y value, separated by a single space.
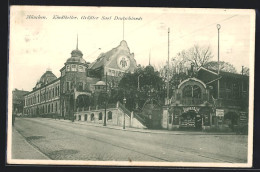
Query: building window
pixel 49 108
pixel 109 115
pixel 81 69
pixel 58 90
pixel 56 107
pixel 79 117
pixel 92 117
pixel 80 86
pixel 52 107
pixel 100 116
pixel 53 92
pixel 73 68
pixel 68 68
pixel 67 86
pixel 86 117
pixel 170 119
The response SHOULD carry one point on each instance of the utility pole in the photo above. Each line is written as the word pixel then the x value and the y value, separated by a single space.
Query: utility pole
pixel 218 27
pixel 105 116
pixel 168 72
pixel 168 66
pixel 123 29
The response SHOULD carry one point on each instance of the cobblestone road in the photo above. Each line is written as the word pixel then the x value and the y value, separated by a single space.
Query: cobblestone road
pixel 64 140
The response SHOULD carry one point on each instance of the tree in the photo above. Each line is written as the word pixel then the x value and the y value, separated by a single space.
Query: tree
pixel 180 65
pixel 245 71
pixel 223 66
pixel 198 55
pixel 150 84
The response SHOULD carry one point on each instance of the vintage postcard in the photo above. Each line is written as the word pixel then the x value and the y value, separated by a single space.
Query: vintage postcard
pixel 126 86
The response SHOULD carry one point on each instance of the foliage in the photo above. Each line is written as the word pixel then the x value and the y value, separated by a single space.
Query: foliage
pixel 223 66
pixel 150 84
pixel 245 71
pixel 179 66
pixel 198 55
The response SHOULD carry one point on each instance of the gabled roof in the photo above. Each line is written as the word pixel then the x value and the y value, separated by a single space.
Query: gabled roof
pixel 225 74
pixel 101 60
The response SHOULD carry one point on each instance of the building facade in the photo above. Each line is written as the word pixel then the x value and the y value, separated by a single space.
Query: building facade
pixel 78 83
pixel 198 102
pixel 18 101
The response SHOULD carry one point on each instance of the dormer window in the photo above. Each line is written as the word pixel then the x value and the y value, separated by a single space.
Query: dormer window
pixel 68 68
pixel 81 69
pixel 73 68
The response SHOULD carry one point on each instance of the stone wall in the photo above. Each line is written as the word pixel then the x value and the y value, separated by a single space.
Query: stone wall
pixel 117 114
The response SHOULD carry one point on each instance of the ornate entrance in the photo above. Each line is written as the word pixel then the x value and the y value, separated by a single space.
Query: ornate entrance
pixel 191 120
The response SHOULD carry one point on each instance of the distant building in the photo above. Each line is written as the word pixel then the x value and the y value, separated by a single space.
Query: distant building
pixel 18 101
pixel 196 104
pixel 79 82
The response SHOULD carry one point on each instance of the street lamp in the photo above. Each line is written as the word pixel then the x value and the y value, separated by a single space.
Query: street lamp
pixel 138 87
pixel 124 102
pixel 105 116
pixel 218 27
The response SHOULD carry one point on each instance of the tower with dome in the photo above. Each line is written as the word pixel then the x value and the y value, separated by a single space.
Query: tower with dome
pixel 80 82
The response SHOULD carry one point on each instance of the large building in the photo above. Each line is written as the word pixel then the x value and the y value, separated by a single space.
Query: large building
pixel 198 102
pixel 18 101
pixel 78 83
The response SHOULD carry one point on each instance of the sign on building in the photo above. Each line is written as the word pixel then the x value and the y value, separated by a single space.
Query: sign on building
pixel 220 112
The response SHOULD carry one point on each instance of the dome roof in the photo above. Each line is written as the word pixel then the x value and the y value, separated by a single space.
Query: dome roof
pixel 100 83
pixel 76 57
pixel 76 53
pixel 75 60
pixel 47 77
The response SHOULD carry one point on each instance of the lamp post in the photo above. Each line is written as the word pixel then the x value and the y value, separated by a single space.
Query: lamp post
pixel 138 87
pixel 105 116
pixel 124 102
pixel 218 27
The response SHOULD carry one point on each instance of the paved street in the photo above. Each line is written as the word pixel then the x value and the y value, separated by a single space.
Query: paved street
pixel 64 140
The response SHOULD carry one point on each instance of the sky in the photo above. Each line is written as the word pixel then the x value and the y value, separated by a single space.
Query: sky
pixel 38 44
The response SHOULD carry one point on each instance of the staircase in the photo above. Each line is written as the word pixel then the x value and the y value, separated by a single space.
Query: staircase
pixel 135 115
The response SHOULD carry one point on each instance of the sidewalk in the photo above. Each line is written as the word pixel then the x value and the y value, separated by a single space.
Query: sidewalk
pixel 21 149
pixel 144 130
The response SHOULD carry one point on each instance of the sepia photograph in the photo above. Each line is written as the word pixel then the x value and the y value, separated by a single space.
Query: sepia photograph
pixel 131 86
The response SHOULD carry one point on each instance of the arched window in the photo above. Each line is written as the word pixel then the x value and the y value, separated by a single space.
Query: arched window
pixel 109 115
pixel 187 91
pixel 100 115
pixel 196 91
pixel 191 91
pixel 92 117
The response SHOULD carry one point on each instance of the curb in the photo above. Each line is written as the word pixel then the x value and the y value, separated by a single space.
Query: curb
pixel 142 131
